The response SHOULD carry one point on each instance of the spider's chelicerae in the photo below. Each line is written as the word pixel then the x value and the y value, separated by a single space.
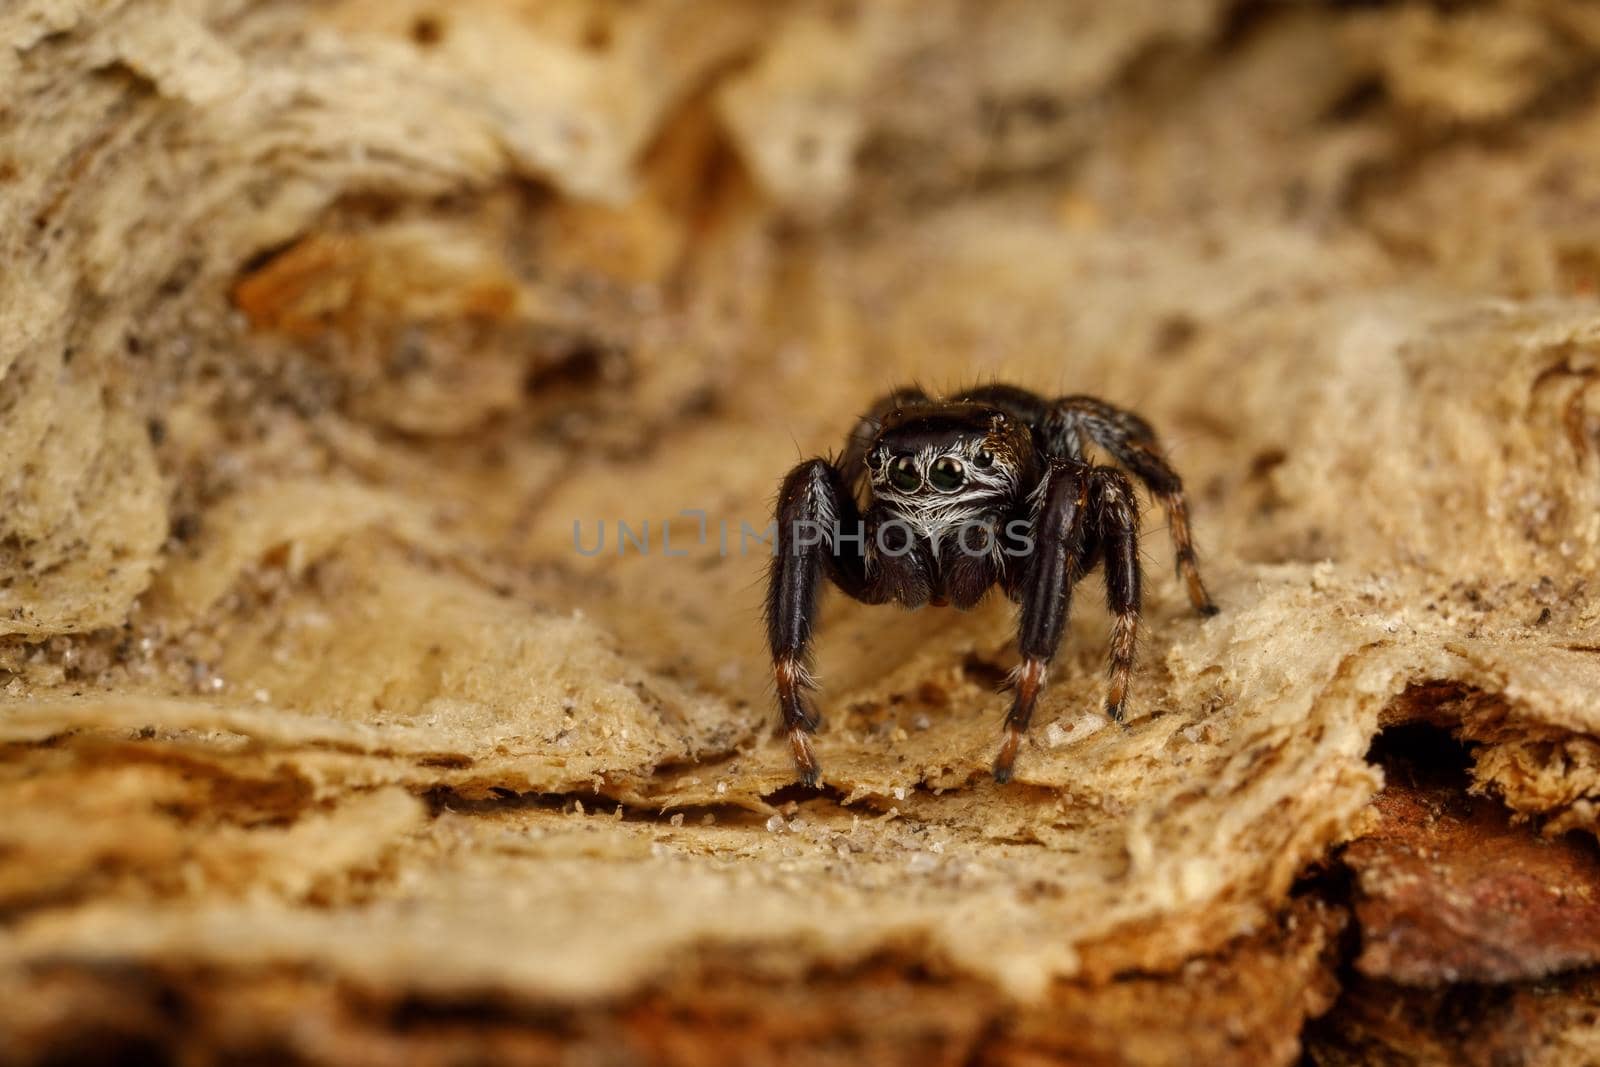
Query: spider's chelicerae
pixel 935 501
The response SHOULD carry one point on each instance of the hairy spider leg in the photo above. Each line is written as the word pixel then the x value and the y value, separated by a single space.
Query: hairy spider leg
pixel 1060 530
pixel 1116 514
pixel 1132 442
pixel 814 503
pixel 1087 517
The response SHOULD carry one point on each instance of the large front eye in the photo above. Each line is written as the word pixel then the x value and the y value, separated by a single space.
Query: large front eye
pixel 946 474
pixel 903 475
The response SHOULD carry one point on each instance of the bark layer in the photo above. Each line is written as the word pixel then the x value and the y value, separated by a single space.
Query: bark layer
pixel 330 332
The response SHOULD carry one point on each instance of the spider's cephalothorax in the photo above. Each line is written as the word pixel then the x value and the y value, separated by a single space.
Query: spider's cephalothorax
pixel 988 487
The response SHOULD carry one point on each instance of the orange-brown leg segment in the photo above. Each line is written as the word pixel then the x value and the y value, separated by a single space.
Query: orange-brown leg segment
pixel 1177 509
pixel 1117 515
pixel 792 681
pixel 1028 682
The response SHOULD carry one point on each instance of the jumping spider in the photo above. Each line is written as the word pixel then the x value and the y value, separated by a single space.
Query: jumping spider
pixel 990 486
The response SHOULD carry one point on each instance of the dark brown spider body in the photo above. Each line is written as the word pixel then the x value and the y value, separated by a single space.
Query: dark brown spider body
pixel 937 502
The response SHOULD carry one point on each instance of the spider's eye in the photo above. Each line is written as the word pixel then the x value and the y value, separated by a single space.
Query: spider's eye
pixel 946 474
pixel 903 475
pixel 984 459
pixel 874 460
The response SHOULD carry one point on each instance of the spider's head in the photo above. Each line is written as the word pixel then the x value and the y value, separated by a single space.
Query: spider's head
pixel 957 454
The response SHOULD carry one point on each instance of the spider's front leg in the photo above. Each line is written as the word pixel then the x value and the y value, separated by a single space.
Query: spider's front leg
pixel 814 507
pixel 1059 549
pixel 1086 515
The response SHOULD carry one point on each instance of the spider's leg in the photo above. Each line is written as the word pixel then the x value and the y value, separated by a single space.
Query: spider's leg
pixel 1133 444
pixel 1060 530
pixel 1116 515
pixel 814 508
